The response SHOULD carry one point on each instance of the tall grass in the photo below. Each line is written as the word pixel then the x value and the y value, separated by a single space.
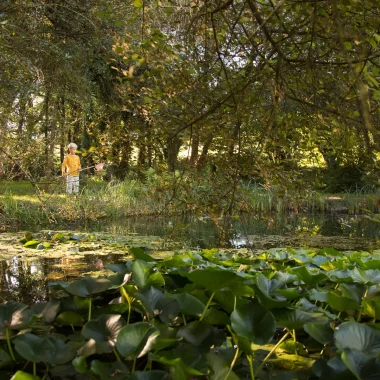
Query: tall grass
pixel 168 195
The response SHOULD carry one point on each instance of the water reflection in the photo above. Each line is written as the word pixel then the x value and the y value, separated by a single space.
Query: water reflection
pixel 28 280
pixel 205 232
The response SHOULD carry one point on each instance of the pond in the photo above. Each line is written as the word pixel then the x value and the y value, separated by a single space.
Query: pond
pixel 25 274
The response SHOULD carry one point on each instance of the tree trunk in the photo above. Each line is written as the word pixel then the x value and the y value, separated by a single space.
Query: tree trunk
pixel 173 146
pixel 141 158
pixel 194 146
pixel 51 144
pixel 46 132
pixel 62 127
pixel 206 146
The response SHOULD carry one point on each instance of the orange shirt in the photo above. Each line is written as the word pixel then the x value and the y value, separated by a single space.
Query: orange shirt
pixel 71 165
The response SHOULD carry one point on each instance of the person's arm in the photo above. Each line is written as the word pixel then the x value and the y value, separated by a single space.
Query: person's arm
pixel 64 166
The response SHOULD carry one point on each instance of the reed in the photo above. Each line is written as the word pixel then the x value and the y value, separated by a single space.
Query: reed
pixel 170 194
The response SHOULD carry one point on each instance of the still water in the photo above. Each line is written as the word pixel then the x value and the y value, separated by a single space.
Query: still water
pixel 27 279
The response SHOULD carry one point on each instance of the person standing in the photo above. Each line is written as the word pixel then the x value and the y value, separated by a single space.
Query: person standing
pixel 70 169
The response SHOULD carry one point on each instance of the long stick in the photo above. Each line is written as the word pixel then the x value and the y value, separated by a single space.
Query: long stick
pixel 79 170
pixel 271 352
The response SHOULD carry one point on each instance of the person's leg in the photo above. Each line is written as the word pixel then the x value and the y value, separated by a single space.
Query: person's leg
pixel 76 185
pixel 69 187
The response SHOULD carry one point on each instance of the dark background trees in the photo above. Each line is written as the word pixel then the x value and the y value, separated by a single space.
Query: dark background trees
pixel 252 89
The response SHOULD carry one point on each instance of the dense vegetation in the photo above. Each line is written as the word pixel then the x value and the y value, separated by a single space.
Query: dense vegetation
pixel 199 107
pixel 305 314
pixel 20 207
pixel 284 93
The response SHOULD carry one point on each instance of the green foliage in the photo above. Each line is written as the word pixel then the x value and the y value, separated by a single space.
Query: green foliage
pixel 216 323
pixel 234 93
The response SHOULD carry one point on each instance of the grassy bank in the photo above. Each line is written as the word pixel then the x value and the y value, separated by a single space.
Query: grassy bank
pixel 21 205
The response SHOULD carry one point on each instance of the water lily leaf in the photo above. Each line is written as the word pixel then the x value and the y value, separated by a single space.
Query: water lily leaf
pixel 70 318
pixel 46 310
pixel 239 289
pixel 292 347
pixel 254 322
pixel 149 375
pixel 74 303
pixel 371 308
pixel 263 289
pixel 333 369
pixel 106 371
pixel 372 264
pixel 14 315
pixel 319 260
pixel 295 318
pixel 217 317
pixel 118 268
pixel 353 291
pixel 292 362
pixel 139 254
pixel 136 340
pixel 220 368
pixel 58 237
pixel 20 375
pixel 373 276
pixel 104 331
pixel 31 244
pixel 45 245
pixel 306 305
pixel 316 295
pixel 340 276
pixel 201 334
pixel 213 280
pixel 189 305
pixel 158 304
pixel 77 237
pixel 226 299
pixel 80 364
pixel 185 359
pixel 321 333
pixel 86 287
pixel 144 277
pixel 117 308
pixel 309 276
pixel 341 303
pixel 361 365
pixel 164 343
pixel 119 279
pixel 284 277
pixel 88 349
pixel 302 259
pixel 290 293
pixel 243 343
pixel 34 348
pixel 333 265
pixel 5 359
pixel 357 336
pixel 63 352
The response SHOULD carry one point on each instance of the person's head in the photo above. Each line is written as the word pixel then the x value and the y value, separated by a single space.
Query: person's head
pixel 71 148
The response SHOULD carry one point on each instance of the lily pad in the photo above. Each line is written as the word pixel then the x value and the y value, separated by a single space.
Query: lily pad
pixel 213 279
pixel 254 322
pixel 89 286
pixel 357 336
pixel 145 277
pixel 104 332
pixel 136 340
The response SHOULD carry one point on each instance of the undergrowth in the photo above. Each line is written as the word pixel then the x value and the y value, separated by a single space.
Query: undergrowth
pixel 167 194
